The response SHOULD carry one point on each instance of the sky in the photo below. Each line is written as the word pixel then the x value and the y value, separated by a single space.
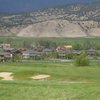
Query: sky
pixel 16 6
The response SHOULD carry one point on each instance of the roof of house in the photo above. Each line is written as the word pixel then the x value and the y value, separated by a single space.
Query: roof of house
pixel 91 50
pixel 47 50
pixel 76 52
pixel 4 53
pixel 68 46
pixel 30 52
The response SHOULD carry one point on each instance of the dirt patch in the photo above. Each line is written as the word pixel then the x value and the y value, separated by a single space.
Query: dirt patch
pixel 6 75
pixel 39 77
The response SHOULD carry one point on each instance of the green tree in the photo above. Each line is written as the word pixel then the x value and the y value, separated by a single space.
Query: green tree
pixel 69 56
pixel 81 60
pixel 77 46
pixel 16 58
pixel 27 44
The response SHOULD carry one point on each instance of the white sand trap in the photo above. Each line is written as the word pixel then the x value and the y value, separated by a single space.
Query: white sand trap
pixel 6 76
pixel 38 77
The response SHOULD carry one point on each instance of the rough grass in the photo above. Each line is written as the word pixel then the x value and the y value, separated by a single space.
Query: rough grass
pixel 24 90
pixel 57 87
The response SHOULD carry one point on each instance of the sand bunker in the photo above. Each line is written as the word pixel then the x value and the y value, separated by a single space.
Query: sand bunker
pixel 6 76
pixel 38 77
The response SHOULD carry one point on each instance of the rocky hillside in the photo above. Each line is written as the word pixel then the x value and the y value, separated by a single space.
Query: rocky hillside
pixel 73 20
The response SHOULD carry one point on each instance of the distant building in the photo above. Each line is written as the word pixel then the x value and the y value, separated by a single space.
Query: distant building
pixel 65 48
pixel 30 54
pixel 5 46
pixel 91 52
pixel 76 52
pixel 47 50
pixel 4 56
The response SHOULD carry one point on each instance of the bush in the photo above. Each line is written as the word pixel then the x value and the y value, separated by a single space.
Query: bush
pixel 82 60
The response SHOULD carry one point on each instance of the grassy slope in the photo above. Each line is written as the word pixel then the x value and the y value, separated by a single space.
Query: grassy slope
pixel 57 87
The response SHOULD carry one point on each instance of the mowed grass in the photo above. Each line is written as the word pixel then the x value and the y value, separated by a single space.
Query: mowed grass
pixel 67 82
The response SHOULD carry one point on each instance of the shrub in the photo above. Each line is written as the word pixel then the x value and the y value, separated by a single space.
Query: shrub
pixel 82 60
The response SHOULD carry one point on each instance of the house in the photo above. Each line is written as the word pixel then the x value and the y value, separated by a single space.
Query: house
pixel 39 48
pixel 61 55
pixel 30 54
pixel 5 46
pixel 68 47
pixel 13 51
pixel 47 50
pixel 1 57
pixel 65 48
pixel 8 49
pixel 76 52
pixel 4 56
pixel 63 51
pixel 91 52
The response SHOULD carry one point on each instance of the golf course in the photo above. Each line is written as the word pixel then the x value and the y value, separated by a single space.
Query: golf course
pixel 49 81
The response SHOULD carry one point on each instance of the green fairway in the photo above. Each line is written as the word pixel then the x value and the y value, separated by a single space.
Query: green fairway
pixel 66 81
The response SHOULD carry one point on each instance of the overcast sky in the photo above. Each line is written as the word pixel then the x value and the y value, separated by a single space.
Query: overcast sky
pixel 30 5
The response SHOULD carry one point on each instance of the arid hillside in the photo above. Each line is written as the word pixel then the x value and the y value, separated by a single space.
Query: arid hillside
pixel 73 20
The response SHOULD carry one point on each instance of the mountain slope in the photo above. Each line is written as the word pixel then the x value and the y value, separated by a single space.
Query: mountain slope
pixel 74 20
pixel 52 28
